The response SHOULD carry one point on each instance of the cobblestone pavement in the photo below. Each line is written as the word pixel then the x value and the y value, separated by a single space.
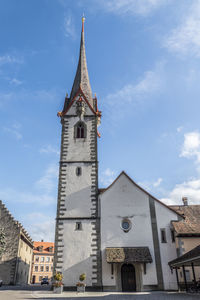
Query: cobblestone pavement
pixel 14 294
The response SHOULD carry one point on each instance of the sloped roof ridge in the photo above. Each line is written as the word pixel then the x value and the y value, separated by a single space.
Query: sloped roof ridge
pixel 123 172
pixel 16 223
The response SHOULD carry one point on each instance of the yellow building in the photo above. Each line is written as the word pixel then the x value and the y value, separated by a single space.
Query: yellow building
pixel 42 267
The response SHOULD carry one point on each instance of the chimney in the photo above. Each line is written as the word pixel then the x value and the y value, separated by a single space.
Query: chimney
pixel 42 240
pixel 185 201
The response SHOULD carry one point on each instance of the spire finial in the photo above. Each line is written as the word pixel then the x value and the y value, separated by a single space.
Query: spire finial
pixel 83 20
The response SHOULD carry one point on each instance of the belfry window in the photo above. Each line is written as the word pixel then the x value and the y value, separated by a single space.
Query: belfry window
pixel 80 130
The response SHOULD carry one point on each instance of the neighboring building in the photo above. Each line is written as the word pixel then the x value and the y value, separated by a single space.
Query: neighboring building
pixel 187 233
pixel 119 236
pixel 16 259
pixel 42 267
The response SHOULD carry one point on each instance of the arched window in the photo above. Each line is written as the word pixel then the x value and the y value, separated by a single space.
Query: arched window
pixel 80 130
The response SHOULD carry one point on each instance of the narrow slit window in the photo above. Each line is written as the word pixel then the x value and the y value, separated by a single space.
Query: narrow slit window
pixel 163 235
pixel 78 171
pixel 78 226
pixel 172 235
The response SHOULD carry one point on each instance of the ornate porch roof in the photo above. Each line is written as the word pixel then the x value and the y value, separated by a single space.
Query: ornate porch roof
pixel 128 254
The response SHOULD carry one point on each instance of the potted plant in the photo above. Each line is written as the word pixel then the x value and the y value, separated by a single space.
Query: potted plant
pixel 80 284
pixel 58 285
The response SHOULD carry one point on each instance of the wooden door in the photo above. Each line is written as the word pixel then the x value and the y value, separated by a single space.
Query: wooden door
pixel 128 278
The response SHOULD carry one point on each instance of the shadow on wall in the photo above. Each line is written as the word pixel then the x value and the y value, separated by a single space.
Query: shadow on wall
pixel 7 271
pixel 14 271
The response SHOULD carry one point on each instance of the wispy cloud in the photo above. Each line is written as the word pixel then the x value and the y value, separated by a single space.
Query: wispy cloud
pixel 15 81
pixel 69 27
pixel 10 59
pixel 124 7
pixel 150 83
pixel 134 94
pixel 49 180
pixel 41 192
pixel 185 39
pixel 49 149
pixel 14 130
pixel 107 177
pixel 42 226
pixel 189 188
pixel 157 182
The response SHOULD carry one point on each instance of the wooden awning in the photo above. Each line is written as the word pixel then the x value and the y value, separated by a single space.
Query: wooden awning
pixel 192 256
pixel 128 254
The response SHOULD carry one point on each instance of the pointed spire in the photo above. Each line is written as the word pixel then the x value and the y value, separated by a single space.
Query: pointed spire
pixel 82 79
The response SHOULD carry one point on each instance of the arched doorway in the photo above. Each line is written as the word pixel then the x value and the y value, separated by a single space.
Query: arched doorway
pixel 128 278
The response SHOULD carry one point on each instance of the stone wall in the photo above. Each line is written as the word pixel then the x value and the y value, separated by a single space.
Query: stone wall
pixel 16 259
pixel 9 257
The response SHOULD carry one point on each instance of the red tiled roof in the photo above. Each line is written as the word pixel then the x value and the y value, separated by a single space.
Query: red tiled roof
pixel 191 224
pixel 45 246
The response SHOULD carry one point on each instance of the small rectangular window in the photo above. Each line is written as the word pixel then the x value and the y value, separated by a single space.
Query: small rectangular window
pixel 163 235
pixel 47 268
pixel 173 235
pixel 78 226
pixel 78 171
pixel 42 268
pixel 42 259
pixel 40 278
pixel 36 268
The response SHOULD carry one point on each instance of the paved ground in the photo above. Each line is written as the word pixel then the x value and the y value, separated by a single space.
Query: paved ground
pixel 13 293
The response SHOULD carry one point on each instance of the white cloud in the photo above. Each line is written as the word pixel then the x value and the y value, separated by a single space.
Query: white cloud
pixel 42 227
pixel 69 27
pixel 191 146
pixel 185 39
pixel 41 192
pixel 190 189
pixel 179 129
pixel 15 81
pixel 14 130
pixel 150 83
pixel 123 7
pixel 107 177
pixel 10 59
pixel 13 195
pixel 157 182
pixel 49 180
pixel 49 149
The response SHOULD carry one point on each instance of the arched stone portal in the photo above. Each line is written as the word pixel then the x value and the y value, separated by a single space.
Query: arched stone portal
pixel 128 278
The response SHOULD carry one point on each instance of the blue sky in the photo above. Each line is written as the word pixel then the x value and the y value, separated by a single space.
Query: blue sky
pixel 144 65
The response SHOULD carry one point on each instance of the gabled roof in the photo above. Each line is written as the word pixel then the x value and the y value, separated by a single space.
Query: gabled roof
pixel 45 247
pixel 101 191
pixel 190 226
pixel 82 78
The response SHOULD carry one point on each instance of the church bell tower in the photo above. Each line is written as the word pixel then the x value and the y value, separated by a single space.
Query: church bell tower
pixel 77 237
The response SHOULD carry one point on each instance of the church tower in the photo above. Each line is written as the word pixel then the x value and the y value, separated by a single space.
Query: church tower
pixel 77 238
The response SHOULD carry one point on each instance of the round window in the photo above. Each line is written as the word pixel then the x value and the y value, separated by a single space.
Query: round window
pixel 126 225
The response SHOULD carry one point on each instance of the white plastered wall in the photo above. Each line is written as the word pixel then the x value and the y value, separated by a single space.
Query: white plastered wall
pixel 167 250
pixel 76 257
pixel 125 199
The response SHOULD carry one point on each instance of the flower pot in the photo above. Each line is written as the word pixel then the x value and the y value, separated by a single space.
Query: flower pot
pixel 81 289
pixel 58 290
